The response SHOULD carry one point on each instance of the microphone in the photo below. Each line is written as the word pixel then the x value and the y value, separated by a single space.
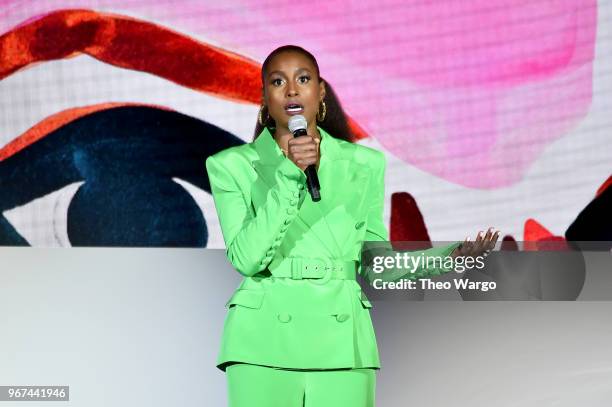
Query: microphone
pixel 297 126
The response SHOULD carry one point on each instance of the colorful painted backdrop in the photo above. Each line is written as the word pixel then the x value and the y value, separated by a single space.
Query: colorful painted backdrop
pixel 491 113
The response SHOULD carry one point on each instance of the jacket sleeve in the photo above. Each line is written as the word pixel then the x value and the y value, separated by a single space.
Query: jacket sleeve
pixel 252 239
pixel 376 231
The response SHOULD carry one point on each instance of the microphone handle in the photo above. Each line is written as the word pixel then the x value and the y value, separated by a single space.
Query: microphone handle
pixel 312 180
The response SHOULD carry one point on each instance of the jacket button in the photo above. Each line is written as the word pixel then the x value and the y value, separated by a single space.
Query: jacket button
pixel 290 211
pixel 342 317
pixel 284 317
pixel 293 202
pixel 301 186
pixel 296 194
pixel 358 225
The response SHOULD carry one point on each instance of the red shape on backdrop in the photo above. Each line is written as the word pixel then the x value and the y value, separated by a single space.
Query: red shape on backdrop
pixel 132 44
pixel 607 183
pixel 537 237
pixel 508 243
pixel 407 223
pixel 534 231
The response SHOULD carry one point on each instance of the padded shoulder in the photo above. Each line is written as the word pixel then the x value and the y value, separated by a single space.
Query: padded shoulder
pixel 231 154
pixel 373 158
pixel 233 159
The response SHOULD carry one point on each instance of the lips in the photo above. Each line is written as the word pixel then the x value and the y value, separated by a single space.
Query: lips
pixel 294 108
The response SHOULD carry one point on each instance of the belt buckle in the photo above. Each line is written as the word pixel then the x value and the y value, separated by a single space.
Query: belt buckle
pixel 296 268
pixel 328 272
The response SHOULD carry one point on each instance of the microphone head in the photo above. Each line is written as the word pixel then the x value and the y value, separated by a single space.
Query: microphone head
pixel 297 122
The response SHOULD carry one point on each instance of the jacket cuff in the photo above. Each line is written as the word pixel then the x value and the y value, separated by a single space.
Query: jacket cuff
pixel 445 253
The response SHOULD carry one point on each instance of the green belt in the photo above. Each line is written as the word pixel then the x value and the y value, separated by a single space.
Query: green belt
pixel 299 268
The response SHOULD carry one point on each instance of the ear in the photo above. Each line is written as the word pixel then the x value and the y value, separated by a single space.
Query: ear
pixel 322 90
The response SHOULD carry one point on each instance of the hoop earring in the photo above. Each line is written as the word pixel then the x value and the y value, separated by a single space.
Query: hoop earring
pixel 321 116
pixel 260 116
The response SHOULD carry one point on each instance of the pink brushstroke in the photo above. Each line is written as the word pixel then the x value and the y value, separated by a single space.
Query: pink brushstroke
pixel 469 91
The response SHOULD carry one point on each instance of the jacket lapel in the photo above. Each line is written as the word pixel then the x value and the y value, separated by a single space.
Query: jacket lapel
pixel 341 182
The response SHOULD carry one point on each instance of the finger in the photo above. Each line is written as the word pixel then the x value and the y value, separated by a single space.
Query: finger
pixel 486 242
pixel 302 149
pixel 300 140
pixel 306 161
pixel 305 155
pixel 466 247
pixel 306 138
pixel 494 239
pixel 478 243
pixel 484 245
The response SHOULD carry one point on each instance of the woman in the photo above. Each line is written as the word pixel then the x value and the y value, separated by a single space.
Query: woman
pixel 298 330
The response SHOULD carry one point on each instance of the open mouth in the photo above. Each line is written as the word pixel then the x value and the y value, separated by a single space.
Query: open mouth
pixel 294 108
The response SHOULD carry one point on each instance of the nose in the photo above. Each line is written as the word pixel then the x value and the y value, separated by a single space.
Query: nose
pixel 291 90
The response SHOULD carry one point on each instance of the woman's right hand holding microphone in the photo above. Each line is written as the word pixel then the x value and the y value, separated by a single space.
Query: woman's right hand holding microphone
pixel 303 151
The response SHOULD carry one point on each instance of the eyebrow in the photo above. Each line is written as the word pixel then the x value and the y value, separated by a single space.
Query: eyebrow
pixel 297 70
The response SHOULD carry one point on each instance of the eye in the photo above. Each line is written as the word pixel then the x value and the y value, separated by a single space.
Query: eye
pixel 304 79
pixel 47 199
pixel 276 82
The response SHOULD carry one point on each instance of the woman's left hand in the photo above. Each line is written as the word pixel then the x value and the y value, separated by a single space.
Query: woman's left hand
pixel 482 245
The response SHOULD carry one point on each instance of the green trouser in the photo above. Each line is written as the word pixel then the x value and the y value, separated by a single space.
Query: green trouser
pixel 262 386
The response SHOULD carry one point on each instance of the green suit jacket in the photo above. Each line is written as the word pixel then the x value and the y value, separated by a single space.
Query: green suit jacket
pixel 284 313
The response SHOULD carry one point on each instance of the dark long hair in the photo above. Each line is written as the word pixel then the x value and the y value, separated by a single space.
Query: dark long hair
pixel 335 123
